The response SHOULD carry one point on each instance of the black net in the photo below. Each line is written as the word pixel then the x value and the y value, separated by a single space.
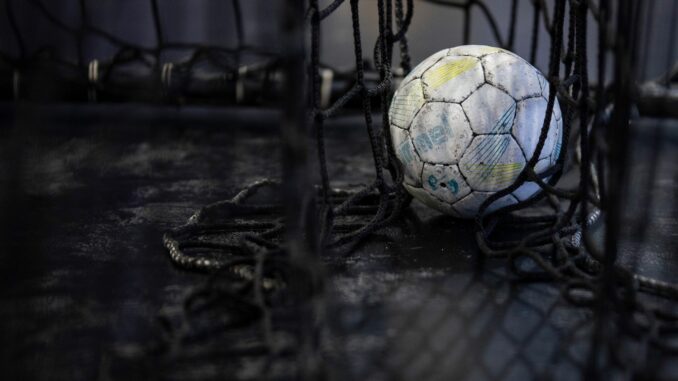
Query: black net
pixel 270 250
pixel 156 70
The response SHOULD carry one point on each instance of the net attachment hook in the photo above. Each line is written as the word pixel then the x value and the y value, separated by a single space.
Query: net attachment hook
pixel 92 80
pixel 240 85
pixel 166 77
pixel 326 76
pixel 16 82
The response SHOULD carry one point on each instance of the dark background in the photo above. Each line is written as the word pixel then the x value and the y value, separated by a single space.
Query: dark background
pixel 212 22
pixel 87 191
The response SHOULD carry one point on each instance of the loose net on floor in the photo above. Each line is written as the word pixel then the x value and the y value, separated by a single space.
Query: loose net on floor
pixel 552 243
pixel 259 314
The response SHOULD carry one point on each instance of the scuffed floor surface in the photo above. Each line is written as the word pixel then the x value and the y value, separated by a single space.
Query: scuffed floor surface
pixel 87 193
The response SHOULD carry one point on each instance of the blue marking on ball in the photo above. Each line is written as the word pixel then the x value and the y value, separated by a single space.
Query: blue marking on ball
pixel 406 153
pixel 453 186
pixel 434 137
pixel 433 182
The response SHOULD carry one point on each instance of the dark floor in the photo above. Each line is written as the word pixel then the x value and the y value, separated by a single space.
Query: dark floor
pixel 87 192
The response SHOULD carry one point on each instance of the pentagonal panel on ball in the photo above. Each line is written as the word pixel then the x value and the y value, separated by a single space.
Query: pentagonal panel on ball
pixel 543 84
pixel 405 104
pixel 430 201
pixel 404 151
pixel 557 143
pixel 492 162
pixel 529 189
pixel 527 127
pixel 477 51
pixel 512 74
pixel 453 79
pixel 556 105
pixel 469 206
pixel 440 132
pixel 445 182
pixel 526 191
pixel 490 110
pixel 554 138
pixel 424 65
pixel 543 165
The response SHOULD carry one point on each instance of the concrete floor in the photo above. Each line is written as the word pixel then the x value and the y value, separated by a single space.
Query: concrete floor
pixel 87 193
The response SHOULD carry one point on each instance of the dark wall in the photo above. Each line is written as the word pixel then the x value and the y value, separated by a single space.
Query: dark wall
pixel 212 22
pixel 435 27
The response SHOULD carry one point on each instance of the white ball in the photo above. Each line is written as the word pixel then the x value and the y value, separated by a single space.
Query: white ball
pixel 465 122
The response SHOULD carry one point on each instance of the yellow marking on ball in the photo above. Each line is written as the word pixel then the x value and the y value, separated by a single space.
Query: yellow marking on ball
pixel 406 104
pixel 440 75
pixel 495 173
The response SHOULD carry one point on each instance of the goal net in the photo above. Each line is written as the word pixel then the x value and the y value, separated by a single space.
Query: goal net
pixel 272 305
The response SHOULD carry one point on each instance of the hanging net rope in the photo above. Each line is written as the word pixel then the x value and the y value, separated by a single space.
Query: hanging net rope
pixel 260 303
pixel 552 242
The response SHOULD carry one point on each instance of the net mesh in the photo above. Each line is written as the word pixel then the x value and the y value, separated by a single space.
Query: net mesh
pixel 130 70
pixel 260 313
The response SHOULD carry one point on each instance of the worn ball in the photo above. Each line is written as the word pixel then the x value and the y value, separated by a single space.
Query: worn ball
pixel 464 123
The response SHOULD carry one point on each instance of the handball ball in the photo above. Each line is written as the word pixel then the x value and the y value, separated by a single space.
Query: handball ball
pixel 465 122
